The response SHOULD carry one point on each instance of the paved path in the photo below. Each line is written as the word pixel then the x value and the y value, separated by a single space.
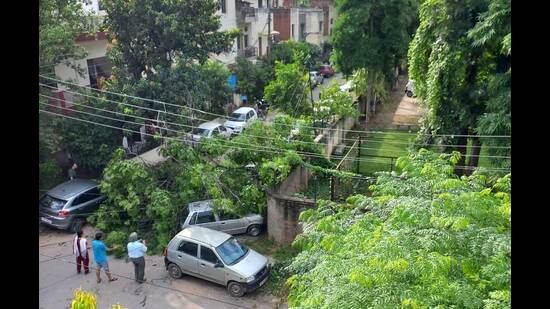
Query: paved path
pixel 58 280
pixel 400 110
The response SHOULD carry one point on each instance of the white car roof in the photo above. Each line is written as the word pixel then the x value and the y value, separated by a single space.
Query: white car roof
pixel 204 235
pixel 243 110
pixel 211 125
pixel 200 205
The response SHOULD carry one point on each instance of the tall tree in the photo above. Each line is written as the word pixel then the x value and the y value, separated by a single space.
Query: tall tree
pixel 288 91
pixel 60 22
pixel 152 33
pixel 453 58
pixel 374 35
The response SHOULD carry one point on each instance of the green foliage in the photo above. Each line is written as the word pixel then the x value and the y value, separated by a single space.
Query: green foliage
pixel 462 70
pixel 288 91
pixel 334 104
pixel 60 22
pixel 424 239
pixel 372 34
pixel 165 31
pixel 117 240
pixel 309 55
pixel 252 78
pixel 50 175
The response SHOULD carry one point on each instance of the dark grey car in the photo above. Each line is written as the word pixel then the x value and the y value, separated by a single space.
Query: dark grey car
pixel 67 205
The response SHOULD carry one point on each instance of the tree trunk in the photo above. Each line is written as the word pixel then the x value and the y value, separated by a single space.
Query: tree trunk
pixel 474 158
pixel 370 86
pixel 462 143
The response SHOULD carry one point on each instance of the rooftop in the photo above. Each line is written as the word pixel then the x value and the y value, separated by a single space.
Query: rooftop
pixel 204 235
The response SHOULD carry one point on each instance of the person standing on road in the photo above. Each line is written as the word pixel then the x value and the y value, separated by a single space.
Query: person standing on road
pixel 72 171
pixel 100 257
pixel 136 252
pixel 80 250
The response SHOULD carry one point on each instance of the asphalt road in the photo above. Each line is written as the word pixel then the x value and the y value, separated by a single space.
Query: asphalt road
pixel 58 280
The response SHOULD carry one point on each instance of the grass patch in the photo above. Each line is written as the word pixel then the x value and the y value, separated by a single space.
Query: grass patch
pixel 387 143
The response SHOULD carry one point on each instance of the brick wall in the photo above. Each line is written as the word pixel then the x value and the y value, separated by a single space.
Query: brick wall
pixel 281 22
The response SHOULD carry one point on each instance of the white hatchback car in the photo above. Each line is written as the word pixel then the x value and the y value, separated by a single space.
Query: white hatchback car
pixel 210 129
pixel 218 257
pixel 240 119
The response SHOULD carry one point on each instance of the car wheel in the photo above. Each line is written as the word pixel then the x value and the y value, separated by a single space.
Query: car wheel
pixel 409 94
pixel 254 230
pixel 235 289
pixel 77 224
pixel 174 271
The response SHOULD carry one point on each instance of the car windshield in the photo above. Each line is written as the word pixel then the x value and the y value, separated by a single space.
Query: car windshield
pixel 237 117
pixel 201 131
pixel 48 201
pixel 231 251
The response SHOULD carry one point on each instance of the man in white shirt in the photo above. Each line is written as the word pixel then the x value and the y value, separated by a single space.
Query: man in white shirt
pixel 136 252
pixel 80 250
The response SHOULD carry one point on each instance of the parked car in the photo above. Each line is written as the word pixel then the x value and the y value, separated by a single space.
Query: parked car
pixel 218 257
pixel 316 78
pixel 209 130
pixel 67 205
pixel 240 119
pixel 409 88
pixel 201 214
pixel 326 70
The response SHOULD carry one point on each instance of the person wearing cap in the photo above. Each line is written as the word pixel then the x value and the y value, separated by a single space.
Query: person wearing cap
pixel 136 252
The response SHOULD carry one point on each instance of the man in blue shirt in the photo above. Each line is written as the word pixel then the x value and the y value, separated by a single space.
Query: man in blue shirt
pixel 136 252
pixel 100 257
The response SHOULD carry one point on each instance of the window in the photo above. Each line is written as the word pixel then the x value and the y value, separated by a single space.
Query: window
pixel 331 20
pixel 99 6
pixel 223 6
pixel 292 30
pixel 238 42
pixel 208 255
pixel 222 129
pixel 86 196
pixel 98 68
pixel 249 115
pixel 245 40
pixel 205 217
pixel 188 247
pixel 227 216
pixel 260 45
pixel 320 26
pixel 260 4
pixel 193 218
pixel 52 202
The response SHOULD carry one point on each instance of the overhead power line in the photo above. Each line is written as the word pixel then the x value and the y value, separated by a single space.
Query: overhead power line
pixel 223 116
pixel 264 149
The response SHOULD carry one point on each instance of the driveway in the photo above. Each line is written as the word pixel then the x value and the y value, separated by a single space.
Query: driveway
pixel 58 280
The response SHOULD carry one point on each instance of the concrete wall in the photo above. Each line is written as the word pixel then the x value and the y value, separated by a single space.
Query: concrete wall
pixel 335 134
pixel 282 216
pixel 283 210
pixel 228 21
pixel 95 49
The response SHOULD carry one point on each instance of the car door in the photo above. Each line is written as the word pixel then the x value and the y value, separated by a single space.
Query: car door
pixel 207 219
pixel 231 223
pixel 186 256
pixel 207 260
pixel 86 202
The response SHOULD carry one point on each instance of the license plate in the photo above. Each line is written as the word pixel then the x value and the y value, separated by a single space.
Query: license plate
pixel 263 281
pixel 46 220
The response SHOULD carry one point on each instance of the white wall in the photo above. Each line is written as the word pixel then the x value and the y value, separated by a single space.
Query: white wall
pixel 92 6
pixel 313 17
pixel 228 22
pixel 95 49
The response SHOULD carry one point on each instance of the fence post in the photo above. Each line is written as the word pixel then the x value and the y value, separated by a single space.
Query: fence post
pixel 332 188
pixel 358 158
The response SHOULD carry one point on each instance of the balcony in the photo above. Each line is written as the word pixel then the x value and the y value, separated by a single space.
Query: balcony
pixel 245 13
pixel 247 52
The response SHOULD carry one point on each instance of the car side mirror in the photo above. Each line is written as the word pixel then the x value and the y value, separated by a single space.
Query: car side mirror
pixel 218 265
